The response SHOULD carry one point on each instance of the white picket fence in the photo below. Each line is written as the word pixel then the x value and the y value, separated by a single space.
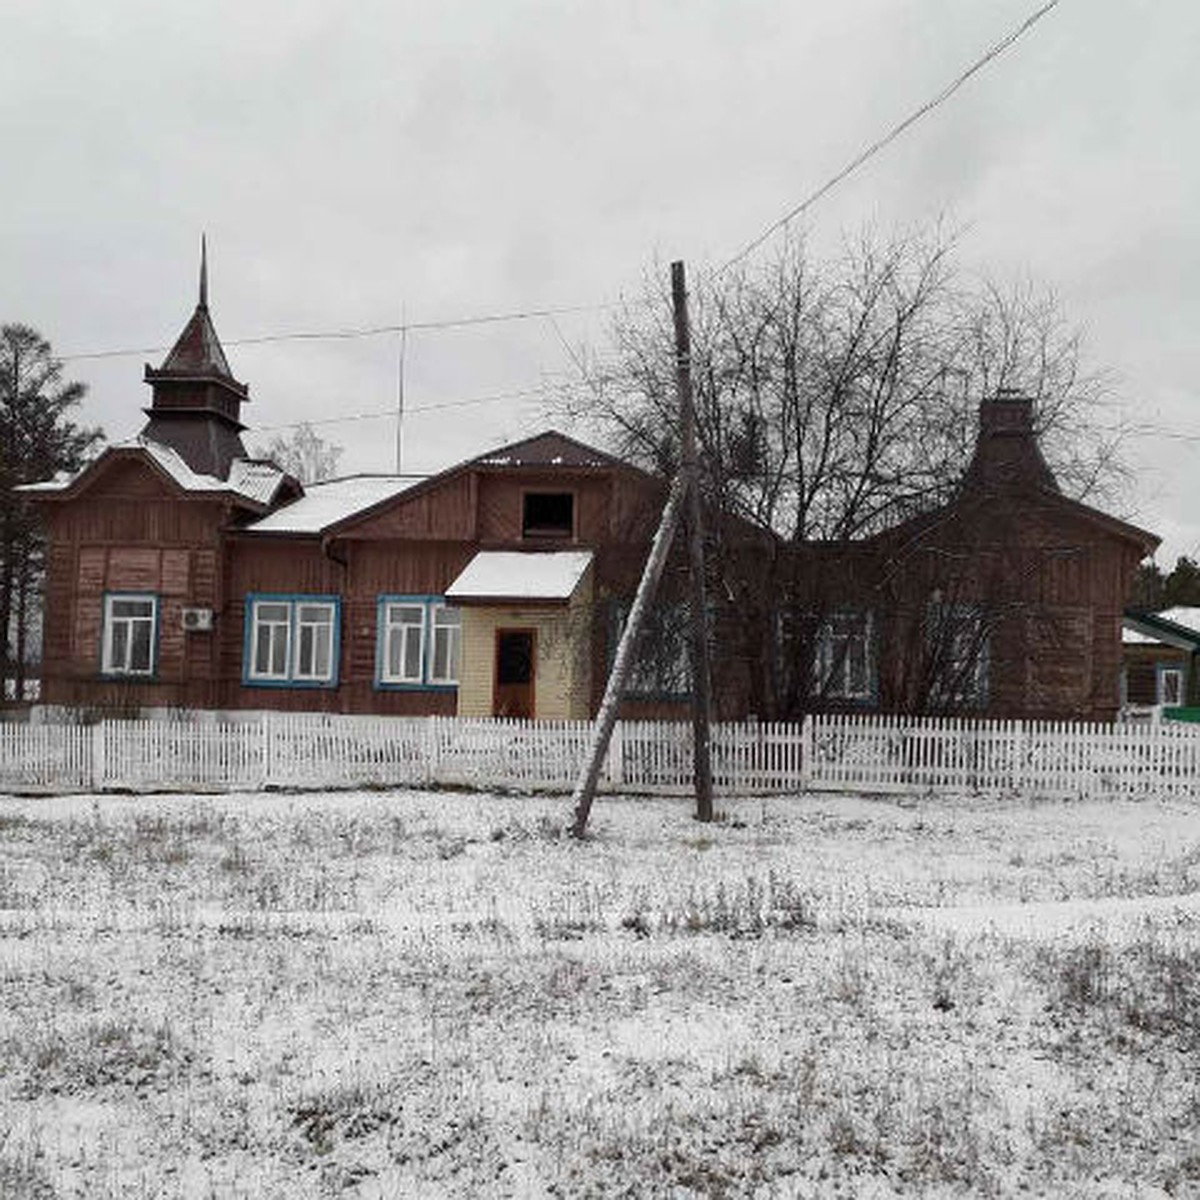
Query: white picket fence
pixel 1033 758
pixel 826 753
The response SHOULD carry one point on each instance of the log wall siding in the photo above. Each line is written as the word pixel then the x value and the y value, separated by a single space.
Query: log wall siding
pixel 159 544
pixel 445 512
pixel 1058 579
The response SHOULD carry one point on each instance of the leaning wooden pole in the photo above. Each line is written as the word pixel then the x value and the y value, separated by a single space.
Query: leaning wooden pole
pixel 606 718
pixel 701 673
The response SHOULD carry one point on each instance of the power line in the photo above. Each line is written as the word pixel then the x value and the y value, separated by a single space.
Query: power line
pixel 889 137
pixel 405 327
pixel 390 413
pixel 370 331
pixel 1146 430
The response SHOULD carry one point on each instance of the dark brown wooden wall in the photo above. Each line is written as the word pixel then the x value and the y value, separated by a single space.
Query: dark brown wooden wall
pixel 1056 585
pixel 157 544
pixel 1060 580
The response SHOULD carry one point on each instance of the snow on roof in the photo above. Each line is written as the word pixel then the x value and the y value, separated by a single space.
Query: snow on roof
pixel 252 480
pixel 1135 637
pixel 1185 616
pixel 521 575
pixel 55 483
pixel 547 449
pixel 255 479
pixel 173 463
pixel 325 504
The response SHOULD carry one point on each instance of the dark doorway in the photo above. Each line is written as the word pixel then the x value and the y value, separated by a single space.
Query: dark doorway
pixel 514 673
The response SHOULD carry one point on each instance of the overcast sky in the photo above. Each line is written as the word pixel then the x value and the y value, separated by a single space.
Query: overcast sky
pixel 356 163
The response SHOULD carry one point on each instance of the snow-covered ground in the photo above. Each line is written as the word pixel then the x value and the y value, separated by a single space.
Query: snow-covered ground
pixel 433 994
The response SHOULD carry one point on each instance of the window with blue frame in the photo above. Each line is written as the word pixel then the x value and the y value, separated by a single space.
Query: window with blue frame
pixel 129 635
pixel 419 642
pixel 292 641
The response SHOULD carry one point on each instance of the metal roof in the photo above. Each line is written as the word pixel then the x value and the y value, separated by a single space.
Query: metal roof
pixel 326 504
pixel 521 575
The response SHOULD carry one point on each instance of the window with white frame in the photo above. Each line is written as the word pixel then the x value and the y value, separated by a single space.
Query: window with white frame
pixel 271 632
pixel 419 642
pixel 292 640
pixel 447 644
pixel 1170 686
pixel 402 632
pixel 844 656
pixel 314 642
pixel 130 634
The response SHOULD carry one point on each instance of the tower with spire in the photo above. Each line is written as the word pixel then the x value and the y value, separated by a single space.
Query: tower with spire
pixel 197 403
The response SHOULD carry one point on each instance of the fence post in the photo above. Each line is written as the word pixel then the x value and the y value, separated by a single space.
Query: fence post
pixel 98 760
pixel 430 750
pixel 806 752
pixel 267 765
pixel 614 762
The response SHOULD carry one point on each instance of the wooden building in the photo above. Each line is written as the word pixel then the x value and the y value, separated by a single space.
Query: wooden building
pixel 1005 602
pixel 184 575
pixel 1161 657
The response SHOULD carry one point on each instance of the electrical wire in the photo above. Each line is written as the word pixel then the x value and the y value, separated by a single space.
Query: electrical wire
pixel 889 137
pixel 549 314
pixel 367 332
pixel 390 413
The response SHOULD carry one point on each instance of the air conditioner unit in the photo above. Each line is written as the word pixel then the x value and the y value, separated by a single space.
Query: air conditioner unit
pixel 198 619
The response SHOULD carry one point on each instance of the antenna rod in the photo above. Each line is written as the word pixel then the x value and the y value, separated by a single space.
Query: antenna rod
pixel 400 393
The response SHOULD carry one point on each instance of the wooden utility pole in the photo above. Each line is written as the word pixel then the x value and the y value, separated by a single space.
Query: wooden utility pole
pixel 686 487
pixel 606 718
pixel 701 677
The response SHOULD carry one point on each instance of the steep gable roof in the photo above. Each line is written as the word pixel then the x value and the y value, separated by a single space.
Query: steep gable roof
pixel 255 483
pixel 1009 475
pixel 547 449
pixel 335 506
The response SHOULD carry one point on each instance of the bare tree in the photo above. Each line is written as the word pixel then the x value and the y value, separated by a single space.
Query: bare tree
pixel 836 399
pixel 305 454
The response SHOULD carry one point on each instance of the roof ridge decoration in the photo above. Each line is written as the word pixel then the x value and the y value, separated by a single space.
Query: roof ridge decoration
pixel 197 352
pixel 203 271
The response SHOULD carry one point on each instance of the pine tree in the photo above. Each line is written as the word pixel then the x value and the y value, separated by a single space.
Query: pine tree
pixel 36 442
pixel 1182 585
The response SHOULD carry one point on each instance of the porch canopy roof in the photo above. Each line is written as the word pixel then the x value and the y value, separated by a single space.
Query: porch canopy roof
pixel 503 576
pixel 1178 627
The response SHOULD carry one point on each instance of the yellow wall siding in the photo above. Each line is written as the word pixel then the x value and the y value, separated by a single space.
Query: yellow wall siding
pixel 562 679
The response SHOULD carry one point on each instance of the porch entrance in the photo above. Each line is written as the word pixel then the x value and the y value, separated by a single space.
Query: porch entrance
pixel 514 690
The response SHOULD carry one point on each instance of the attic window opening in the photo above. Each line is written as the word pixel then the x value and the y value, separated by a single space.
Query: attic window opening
pixel 548 515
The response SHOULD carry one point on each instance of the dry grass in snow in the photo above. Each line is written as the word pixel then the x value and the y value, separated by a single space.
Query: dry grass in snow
pixel 393 995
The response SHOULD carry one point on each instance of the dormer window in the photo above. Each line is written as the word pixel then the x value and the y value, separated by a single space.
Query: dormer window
pixel 548 515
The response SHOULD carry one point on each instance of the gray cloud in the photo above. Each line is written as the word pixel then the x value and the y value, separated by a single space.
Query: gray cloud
pixel 351 161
